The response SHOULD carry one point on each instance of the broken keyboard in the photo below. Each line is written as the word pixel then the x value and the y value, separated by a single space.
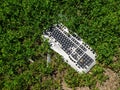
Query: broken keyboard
pixel 71 47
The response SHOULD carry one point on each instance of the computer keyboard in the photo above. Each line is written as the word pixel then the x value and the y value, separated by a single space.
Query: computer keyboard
pixel 71 47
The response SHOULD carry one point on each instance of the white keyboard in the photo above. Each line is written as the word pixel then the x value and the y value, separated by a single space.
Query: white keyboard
pixel 71 47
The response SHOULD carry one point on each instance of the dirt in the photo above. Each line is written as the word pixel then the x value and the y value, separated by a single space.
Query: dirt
pixel 65 87
pixel 111 84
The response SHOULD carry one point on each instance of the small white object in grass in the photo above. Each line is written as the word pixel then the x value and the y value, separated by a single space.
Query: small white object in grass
pixel 31 60
pixel 48 58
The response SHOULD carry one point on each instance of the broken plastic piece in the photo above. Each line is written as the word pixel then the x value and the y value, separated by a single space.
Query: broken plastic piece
pixel 48 58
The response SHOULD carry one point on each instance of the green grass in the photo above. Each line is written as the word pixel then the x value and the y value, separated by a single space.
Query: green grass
pixel 22 24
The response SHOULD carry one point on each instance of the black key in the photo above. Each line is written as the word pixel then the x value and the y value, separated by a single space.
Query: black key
pixel 79 51
pixel 83 48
